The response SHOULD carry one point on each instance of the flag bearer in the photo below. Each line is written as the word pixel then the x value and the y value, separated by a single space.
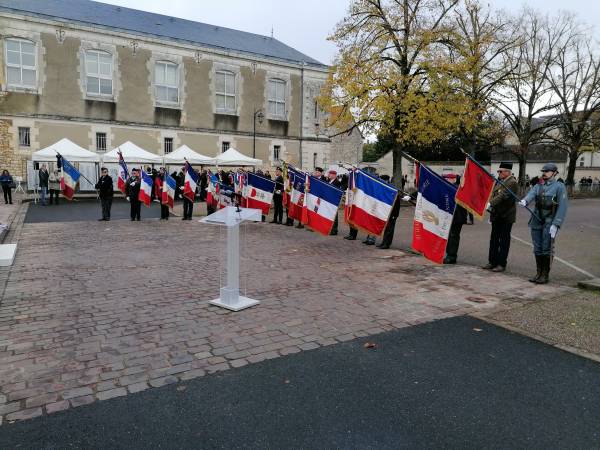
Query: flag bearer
pixel 278 197
pixel 133 191
pixel 551 203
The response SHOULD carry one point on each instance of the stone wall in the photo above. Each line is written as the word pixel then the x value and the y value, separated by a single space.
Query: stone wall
pixel 8 159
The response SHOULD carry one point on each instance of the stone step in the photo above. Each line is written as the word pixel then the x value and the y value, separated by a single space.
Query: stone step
pixel 7 254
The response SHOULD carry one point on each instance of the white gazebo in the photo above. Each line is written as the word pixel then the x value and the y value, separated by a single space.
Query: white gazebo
pixel 232 157
pixel 131 154
pixel 184 153
pixel 69 149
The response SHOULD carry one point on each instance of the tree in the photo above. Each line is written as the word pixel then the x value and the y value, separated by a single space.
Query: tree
pixel 575 81
pixel 372 151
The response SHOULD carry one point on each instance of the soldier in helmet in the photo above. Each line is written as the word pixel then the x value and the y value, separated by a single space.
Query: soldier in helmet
pixel 550 198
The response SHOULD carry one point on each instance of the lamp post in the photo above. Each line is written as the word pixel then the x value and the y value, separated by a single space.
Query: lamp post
pixel 258 114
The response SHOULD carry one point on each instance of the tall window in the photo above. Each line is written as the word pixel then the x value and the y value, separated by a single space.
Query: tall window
pixel 24 137
pixel 99 71
pixel 166 82
pixel 225 91
pixel 100 142
pixel 224 147
pixel 20 63
pixel 276 149
pixel 314 160
pixel 277 98
pixel 168 145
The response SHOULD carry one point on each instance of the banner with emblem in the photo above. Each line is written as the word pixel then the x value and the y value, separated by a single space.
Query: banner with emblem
pixel 259 192
pixel 475 190
pixel 321 203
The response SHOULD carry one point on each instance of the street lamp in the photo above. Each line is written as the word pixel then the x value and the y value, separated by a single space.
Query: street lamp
pixel 258 114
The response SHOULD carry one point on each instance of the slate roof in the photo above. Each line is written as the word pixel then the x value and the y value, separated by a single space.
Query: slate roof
pixel 156 25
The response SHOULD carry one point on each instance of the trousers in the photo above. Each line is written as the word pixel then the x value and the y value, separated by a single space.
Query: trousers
pixel 278 208
pixel 499 243
pixel 188 208
pixel 453 242
pixel 136 209
pixel 106 205
pixel 541 240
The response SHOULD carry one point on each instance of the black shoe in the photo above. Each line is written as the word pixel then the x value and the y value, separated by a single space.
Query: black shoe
pixel 488 267
pixel 449 261
pixel 300 226
pixel 273 221
pixel 333 234
pixel 184 218
pixel 100 220
pixel 369 242
pixel 383 247
pixel 350 238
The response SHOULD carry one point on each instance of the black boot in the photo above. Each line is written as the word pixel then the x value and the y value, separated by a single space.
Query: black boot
pixel 538 265
pixel 543 279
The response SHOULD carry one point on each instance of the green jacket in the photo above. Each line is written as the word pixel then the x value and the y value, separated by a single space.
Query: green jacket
pixel 503 204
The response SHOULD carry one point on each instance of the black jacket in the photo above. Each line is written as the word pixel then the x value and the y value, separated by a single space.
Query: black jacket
pixel 133 188
pixel 43 175
pixel 105 186
pixel 278 186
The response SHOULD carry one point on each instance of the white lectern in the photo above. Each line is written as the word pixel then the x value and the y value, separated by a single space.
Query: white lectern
pixel 231 217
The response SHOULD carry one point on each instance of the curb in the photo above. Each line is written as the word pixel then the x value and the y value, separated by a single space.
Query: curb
pixel 591 285
pixel 537 337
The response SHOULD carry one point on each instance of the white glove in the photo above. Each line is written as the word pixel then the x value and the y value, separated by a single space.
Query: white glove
pixel 553 231
pixel 406 198
pixel 128 199
pixel 523 203
pixel 132 184
pixel 488 206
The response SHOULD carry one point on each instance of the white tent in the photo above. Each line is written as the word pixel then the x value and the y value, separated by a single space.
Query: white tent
pixel 184 153
pixel 234 158
pixel 68 149
pixel 131 154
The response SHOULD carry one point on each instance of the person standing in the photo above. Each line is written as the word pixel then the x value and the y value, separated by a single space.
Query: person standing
pixel 278 197
pixel 551 204
pixel 105 190
pixel 203 185
pixel 160 180
pixel 43 182
pixel 54 186
pixel 188 205
pixel 134 184
pixel 6 180
pixel 332 179
pixel 458 220
pixel 503 214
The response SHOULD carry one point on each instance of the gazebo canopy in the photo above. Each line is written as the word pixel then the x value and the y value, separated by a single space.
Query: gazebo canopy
pixel 70 150
pixel 131 154
pixel 232 157
pixel 184 153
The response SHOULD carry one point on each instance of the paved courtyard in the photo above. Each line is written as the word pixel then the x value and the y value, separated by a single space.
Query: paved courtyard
pixel 92 310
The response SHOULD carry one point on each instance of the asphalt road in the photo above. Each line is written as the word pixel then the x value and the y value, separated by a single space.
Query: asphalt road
pixel 455 383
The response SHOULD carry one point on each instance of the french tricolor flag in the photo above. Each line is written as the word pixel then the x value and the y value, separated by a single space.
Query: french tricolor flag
pixel 211 195
pixel 168 191
pixel 69 178
pixel 259 193
pixel 321 202
pixel 190 183
pixel 433 215
pixel 123 174
pixel 145 195
pixel 296 198
pixel 371 202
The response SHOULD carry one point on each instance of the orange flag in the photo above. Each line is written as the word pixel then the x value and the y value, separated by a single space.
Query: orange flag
pixel 475 189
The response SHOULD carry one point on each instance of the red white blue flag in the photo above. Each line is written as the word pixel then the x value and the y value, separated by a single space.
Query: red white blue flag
pixel 349 194
pixel 145 195
pixel 123 174
pixel 69 178
pixel 259 193
pixel 321 203
pixel 211 194
pixel 190 183
pixel 168 191
pixel 371 202
pixel 433 215
pixel 296 196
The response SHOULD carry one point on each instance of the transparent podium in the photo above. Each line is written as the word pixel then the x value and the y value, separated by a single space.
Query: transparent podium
pixel 231 217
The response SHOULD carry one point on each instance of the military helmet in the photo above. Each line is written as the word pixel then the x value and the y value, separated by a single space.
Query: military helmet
pixel 550 167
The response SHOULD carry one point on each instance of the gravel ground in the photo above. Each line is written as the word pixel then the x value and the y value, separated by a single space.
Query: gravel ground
pixel 570 320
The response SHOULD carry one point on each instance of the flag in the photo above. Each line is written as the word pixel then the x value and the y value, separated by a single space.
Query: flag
pixel 260 193
pixel 190 183
pixel 296 198
pixel 145 195
pixel 123 174
pixel 476 186
pixel 69 178
pixel 211 195
pixel 372 201
pixel 168 191
pixel 321 203
pixel 224 195
pixel 287 184
pixel 349 195
pixel 433 215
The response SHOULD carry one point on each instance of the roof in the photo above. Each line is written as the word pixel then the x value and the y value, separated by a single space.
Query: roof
pixel 131 154
pixel 156 25
pixel 70 150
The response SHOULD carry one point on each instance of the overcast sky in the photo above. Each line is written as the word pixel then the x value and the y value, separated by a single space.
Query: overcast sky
pixel 306 24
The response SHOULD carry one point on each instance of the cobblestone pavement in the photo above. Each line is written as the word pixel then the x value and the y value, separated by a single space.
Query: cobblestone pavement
pixel 92 311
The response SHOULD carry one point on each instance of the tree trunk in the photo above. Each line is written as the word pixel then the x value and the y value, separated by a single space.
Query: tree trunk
pixel 522 171
pixel 570 181
pixel 397 168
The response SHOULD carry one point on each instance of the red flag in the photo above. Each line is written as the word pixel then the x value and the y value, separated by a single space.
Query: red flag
pixel 475 189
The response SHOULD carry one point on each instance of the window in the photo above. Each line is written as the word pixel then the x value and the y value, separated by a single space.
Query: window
pixel 224 147
pixel 225 91
pixel 276 149
pixel 314 160
pixel 277 98
pixel 20 63
pixel 168 145
pixel 166 82
pixel 99 70
pixel 100 142
pixel 24 137
pixel 316 111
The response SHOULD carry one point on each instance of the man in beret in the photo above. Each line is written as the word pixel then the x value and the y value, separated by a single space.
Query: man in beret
pixel 503 214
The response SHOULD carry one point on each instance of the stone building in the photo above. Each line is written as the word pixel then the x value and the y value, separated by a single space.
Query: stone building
pixel 101 75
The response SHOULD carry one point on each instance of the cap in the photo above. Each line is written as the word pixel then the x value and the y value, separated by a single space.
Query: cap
pixel 506 165
pixel 318 169
pixel 277 168
pixel 333 171
pixel 135 169
pixel 550 166
pixel 450 176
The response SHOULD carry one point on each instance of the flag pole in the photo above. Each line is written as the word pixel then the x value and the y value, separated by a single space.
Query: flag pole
pixel 80 174
pixel 498 180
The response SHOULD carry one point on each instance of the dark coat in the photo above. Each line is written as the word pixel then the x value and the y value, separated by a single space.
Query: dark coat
pixel 105 186
pixel 278 187
pixel 133 188
pixel 460 216
pixel 502 203
pixel 43 175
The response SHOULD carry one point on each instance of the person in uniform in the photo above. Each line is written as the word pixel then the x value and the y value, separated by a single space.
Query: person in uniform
pixel 105 190
pixel 503 214
pixel 278 197
pixel 160 180
pixel 133 191
pixel 188 205
pixel 333 180
pixel 551 203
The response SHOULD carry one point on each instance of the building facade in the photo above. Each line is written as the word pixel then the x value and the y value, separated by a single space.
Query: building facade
pixel 101 75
